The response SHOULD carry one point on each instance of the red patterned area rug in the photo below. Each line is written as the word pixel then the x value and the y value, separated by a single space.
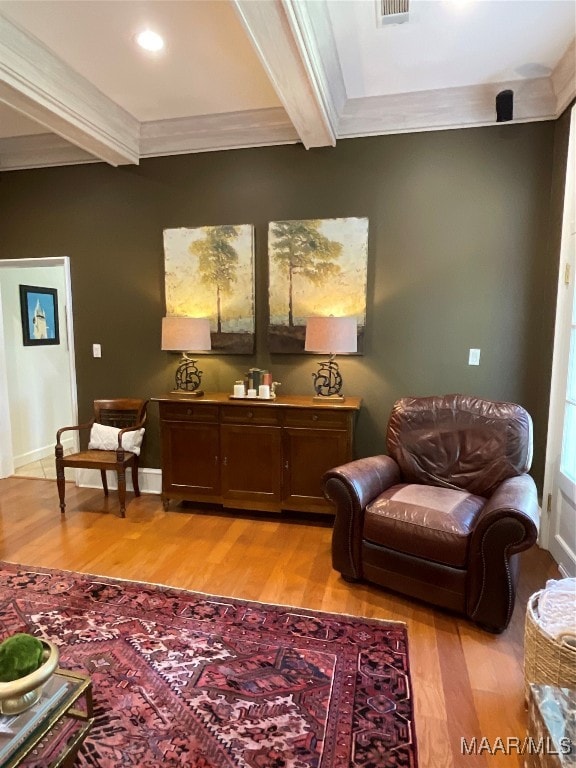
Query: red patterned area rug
pixel 187 679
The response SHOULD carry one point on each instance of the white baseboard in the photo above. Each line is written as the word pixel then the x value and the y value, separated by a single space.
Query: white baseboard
pixel 6 466
pixel 46 452
pixel 149 480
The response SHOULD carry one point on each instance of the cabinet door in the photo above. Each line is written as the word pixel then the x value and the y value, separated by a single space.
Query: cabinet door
pixel 190 459
pixel 308 453
pixel 251 466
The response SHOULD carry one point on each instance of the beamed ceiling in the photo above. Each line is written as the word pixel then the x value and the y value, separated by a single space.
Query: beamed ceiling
pixel 75 88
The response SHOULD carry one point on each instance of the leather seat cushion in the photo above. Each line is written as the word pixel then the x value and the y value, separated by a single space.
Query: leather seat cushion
pixel 425 521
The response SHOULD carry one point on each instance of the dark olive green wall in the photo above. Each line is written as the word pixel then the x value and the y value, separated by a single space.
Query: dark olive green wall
pixel 460 255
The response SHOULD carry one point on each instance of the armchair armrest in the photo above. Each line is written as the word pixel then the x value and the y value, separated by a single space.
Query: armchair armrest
pixel 351 487
pixel 507 525
pixel 120 451
pixel 75 427
pixel 516 497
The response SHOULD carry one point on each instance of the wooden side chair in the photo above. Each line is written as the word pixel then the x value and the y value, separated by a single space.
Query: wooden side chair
pixel 116 433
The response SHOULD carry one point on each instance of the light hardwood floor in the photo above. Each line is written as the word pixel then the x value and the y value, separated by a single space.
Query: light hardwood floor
pixel 466 682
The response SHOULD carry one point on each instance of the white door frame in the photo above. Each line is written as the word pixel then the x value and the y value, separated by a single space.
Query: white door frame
pixel 6 452
pixel 560 363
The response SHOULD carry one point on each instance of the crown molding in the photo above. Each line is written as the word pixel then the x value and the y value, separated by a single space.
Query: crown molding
pixel 207 133
pixel 564 78
pixel 467 107
pixel 40 150
pixel 43 87
pixel 462 107
pixel 268 27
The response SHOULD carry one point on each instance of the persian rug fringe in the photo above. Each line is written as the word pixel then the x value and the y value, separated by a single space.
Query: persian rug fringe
pixel 161 586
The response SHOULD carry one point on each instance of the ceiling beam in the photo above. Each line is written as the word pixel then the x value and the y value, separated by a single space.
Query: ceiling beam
pixel 312 29
pixel 282 54
pixel 43 87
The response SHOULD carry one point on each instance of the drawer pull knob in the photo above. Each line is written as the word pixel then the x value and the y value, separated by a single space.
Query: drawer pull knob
pixel 315 417
pixel 250 414
pixel 188 411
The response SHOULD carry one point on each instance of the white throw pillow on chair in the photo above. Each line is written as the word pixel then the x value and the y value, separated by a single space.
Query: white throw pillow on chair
pixel 104 438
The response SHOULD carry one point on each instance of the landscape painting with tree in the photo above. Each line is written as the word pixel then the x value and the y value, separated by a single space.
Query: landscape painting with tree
pixel 209 272
pixel 317 267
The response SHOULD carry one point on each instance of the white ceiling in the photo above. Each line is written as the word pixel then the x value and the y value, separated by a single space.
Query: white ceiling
pixel 235 73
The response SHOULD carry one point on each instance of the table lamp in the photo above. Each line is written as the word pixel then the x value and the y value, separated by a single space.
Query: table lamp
pixel 332 335
pixel 185 335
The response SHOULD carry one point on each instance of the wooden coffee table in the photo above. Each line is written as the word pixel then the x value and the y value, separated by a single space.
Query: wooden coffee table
pixel 52 731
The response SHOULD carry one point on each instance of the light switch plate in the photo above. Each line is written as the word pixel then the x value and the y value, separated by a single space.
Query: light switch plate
pixel 474 357
pixel 96 350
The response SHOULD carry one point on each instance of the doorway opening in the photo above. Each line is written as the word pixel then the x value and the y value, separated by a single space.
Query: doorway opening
pixel 559 508
pixel 37 382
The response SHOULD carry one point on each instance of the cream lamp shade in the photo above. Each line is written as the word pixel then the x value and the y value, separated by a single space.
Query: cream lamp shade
pixel 335 335
pixel 186 334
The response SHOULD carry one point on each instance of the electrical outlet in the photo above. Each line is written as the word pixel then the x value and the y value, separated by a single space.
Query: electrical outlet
pixel 96 350
pixel 474 357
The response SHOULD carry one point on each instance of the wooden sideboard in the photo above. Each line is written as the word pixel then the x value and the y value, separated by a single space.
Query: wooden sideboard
pixel 263 455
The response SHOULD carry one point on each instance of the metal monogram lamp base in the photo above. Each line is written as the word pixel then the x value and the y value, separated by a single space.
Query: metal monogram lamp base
pixel 327 381
pixel 188 378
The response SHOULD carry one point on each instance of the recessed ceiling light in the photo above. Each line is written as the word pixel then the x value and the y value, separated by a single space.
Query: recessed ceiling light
pixel 150 41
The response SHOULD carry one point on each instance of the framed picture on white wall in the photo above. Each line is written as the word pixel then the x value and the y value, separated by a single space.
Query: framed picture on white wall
pixel 39 308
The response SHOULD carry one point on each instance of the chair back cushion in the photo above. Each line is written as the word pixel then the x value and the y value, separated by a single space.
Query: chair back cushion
pixel 459 441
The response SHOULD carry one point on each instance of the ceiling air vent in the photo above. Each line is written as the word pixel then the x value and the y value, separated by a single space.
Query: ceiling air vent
pixel 391 11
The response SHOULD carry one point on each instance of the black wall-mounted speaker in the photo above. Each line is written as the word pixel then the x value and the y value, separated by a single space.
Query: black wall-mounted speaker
pixel 504 106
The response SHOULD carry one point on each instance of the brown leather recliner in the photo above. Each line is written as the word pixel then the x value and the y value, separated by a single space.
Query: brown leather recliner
pixel 443 517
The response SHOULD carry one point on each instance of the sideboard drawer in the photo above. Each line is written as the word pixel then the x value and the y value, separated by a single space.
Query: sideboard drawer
pixel 317 418
pixel 246 414
pixel 189 412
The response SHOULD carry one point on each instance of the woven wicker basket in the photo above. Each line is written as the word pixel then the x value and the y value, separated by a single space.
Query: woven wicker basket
pixel 546 661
